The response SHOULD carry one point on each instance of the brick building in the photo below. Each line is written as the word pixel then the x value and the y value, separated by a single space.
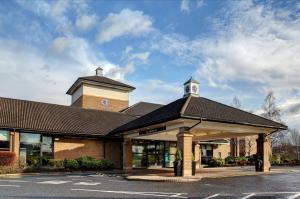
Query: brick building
pixel 101 124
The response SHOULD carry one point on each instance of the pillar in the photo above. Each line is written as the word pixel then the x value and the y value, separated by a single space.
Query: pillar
pixel 127 155
pixel 263 151
pixel 15 145
pixel 197 154
pixel 184 143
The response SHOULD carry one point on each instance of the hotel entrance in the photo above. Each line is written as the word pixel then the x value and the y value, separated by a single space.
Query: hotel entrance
pixel 147 154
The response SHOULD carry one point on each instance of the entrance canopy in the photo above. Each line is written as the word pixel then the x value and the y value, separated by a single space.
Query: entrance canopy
pixel 205 119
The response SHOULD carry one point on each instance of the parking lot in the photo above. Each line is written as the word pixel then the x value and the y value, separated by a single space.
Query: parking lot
pixel 104 186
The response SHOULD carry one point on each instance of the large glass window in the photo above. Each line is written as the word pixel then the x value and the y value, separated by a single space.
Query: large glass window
pixel 153 153
pixel 170 154
pixel 139 156
pixel 4 140
pixel 35 149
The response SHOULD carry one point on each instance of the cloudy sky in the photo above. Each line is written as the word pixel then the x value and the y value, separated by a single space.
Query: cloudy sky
pixel 233 48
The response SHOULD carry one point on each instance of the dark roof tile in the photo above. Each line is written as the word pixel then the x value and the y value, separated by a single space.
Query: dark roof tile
pixel 58 119
pixel 141 108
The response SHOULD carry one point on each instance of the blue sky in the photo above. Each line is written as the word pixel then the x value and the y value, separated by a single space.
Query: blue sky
pixel 233 48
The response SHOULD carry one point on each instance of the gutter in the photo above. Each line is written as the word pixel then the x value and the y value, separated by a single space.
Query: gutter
pixel 229 122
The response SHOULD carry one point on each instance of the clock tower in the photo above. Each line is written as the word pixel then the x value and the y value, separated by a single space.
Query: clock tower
pixel 100 93
pixel 191 87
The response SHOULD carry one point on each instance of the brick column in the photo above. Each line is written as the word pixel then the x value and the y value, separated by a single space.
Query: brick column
pixel 184 143
pixel 263 151
pixel 197 154
pixel 15 145
pixel 127 155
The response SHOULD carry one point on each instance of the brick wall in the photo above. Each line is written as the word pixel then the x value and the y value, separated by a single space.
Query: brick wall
pixel 94 102
pixel 113 150
pixel 71 148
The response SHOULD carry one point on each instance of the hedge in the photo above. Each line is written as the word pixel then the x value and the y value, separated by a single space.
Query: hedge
pixel 7 158
pixel 83 163
pixel 216 162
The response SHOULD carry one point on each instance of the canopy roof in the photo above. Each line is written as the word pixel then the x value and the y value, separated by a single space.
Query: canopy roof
pixel 202 109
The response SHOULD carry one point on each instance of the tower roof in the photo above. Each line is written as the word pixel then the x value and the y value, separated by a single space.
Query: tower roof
pixel 191 80
pixel 99 81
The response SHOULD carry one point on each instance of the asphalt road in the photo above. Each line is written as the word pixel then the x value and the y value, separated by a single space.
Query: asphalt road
pixel 71 186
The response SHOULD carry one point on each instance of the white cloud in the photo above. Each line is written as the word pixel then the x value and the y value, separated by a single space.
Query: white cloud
pixel 253 43
pixel 200 3
pixel 128 55
pixel 156 91
pixel 85 22
pixel 59 7
pixel 59 44
pixel 41 75
pixel 185 6
pixel 140 56
pixel 127 22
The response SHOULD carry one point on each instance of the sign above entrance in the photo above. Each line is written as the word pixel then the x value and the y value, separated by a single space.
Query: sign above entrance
pixel 153 130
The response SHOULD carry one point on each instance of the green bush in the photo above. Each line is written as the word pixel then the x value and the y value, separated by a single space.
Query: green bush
pixel 216 162
pixel 71 164
pixel 90 163
pixel 229 160
pixel 106 164
pixel 56 163
pixel 276 159
pixel 241 160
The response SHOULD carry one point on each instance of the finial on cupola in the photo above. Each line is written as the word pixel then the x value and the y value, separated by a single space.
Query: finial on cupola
pixel 191 87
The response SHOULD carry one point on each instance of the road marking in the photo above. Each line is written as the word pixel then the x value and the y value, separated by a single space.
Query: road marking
pixel 212 196
pixel 54 182
pixel 7 185
pixel 283 192
pixel 75 176
pixel 294 196
pixel 249 195
pixel 117 180
pixel 157 194
pixel 13 181
pixel 87 183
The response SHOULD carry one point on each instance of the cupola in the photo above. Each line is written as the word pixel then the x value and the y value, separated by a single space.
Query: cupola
pixel 191 87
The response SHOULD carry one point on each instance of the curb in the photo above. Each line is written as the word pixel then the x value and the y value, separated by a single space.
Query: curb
pixel 162 179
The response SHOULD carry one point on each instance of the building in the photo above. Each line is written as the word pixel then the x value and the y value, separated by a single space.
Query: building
pixel 101 124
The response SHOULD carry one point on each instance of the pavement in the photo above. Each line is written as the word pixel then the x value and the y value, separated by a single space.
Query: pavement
pixel 92 185
pixel 167 175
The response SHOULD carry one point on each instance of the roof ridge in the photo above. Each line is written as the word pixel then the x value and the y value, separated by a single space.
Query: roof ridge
pixel 183 108
pixel 242 110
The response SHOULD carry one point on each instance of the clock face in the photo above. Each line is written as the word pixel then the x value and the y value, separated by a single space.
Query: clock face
pixel 194 89
pixel 187 89
pixel 105 102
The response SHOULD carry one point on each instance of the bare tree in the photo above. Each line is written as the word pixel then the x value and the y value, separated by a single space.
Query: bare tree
pixel 295 140
pixel 250 143
pixel 236 103
pixel 235 141
pixel 272 112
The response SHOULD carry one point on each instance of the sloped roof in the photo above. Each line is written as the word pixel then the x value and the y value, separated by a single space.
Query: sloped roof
pixel 58 119
pixel 98 80
pixel 199 108
pixel 141 108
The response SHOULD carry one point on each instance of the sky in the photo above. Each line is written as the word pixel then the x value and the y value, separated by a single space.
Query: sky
pixel 233 48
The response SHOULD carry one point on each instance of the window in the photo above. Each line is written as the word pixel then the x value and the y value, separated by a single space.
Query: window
pixel 4 140
pixel 35 149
